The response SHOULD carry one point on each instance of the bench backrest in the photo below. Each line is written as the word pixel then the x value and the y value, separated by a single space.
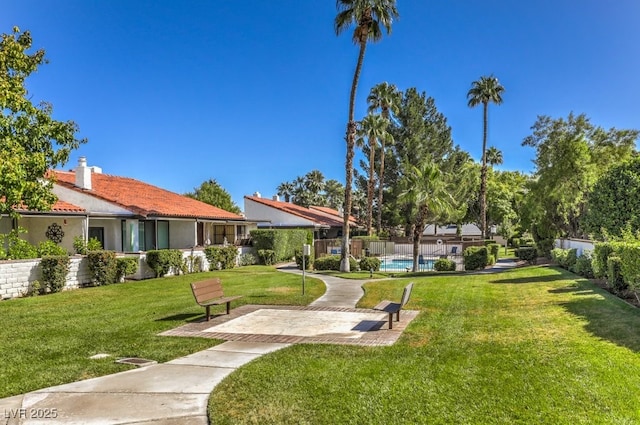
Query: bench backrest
pixel 207 289
pixel 406 294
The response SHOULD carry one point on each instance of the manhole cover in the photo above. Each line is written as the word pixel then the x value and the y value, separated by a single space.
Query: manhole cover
pixel 136 361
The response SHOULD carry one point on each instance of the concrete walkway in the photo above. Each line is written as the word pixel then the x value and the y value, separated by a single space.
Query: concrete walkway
pixel 172 393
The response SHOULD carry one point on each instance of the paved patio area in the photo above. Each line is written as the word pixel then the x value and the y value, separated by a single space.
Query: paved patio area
pixel 295 325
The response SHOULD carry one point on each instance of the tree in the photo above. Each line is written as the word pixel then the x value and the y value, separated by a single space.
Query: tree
pixel 494 156
pixel 373 128
pixel 386 98
pixel 613 206
pixel 487 89
pixel 210 192
pixel 369 17
pixel 571 154
pixel 31 142
pixel 426 189
pixel 286 189
pixel 313 189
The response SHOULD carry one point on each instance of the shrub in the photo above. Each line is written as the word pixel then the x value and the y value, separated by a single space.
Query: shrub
pixel 494 249
pixel 332 262
pixel 17 249
pixel 192 264
pixel 475 257
pixel 614 274
pixel 54 273
pixel 308 259
pixel 491 260
pixel 583 265
pixel 528 254
pixel 601 253
pixel 566 258
pixel 283 241
pixel 267 256
pixel 221 258
pixel 125 266
pixel 370 263
pixel 83 248
pixel 162 261
pixel 49 247
pixel 444 265
pixel 629 253
pixel 103 267
pixel 246 259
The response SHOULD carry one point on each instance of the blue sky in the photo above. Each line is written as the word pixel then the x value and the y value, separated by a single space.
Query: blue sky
pixel 255 93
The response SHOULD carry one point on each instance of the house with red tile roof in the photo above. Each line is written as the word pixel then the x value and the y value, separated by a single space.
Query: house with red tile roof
pixel 128 215
pixel 325 222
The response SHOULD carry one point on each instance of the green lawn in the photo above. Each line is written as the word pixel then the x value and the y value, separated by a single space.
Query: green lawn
pixel 48 340
pixel 532 345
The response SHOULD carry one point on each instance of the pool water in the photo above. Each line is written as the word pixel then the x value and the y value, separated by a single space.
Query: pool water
pixel 403 265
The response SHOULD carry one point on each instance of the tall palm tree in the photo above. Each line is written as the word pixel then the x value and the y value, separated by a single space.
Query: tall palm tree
pixel 487 89
pixel 286 189
pixel 425 189
pixel 374 128
pixel 494 156
pixel 385 97
pixel 369 17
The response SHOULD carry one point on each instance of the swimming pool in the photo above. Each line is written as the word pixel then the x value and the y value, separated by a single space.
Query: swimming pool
pixel 400 264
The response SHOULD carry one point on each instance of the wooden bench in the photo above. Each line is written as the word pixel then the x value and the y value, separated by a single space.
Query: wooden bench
pixel 393 307
pixel 209 292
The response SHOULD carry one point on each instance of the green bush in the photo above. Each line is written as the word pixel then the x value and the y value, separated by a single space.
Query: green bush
pixel 247 259
pixel 192 264
pixel 283 242
pixel 601 253
pixel 629 253
pixel 528 254
pixel 308 259
pixel 221 258
pixel 267 256
pixel 583 265
pixel 103 267
pixel 475 258
pixel 444 265
pixel 370 263
pixel 162 261
pixel 565 258
pixel 54 274
pixel 125 266
pixel 494 249
pixel 17 249
pixel 614 274
pixel 83 248
pixel 49 247
pixel 332 262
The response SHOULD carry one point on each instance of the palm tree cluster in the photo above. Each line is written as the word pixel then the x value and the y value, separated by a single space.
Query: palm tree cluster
pixel 313 189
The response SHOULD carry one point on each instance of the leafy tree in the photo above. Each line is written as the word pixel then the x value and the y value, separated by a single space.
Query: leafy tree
pixel 386 98
pixel 334 194
pixel 484 91
pixel 613 206
pixel 571 154
pixel 373 128
pixel 369 17
pixel 31 142
pixel 286 189
pixel 210 192
pixel 505 195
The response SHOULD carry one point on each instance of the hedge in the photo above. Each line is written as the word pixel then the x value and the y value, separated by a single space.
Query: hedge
pixel 528 254
pixel 476 257
pixel 162 261
pixel 54 273
pixel 103 267
pixel 283 242
pixel 370 263
pixel 221 258
pixel 444 265
pixel 332 262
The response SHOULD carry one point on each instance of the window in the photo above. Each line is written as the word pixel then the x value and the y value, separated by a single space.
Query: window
pixel 97 233
pixel 152 237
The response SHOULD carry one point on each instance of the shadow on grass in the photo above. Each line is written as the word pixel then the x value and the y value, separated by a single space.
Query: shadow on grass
pixel 606 316
pixel 179 317
pixel 531 279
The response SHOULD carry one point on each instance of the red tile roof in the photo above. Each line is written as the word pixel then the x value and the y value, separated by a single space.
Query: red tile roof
pixel 316 214
pixel 334 213
pixel 144 199
pixel 62 206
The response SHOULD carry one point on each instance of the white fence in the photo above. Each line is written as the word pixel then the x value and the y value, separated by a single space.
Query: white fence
pixel 579 244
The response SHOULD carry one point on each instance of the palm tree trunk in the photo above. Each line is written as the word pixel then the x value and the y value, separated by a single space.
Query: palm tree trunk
pixel 380 186
pixel 483 175
pixel 372 157
pixel 351 139
pixel 417 235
